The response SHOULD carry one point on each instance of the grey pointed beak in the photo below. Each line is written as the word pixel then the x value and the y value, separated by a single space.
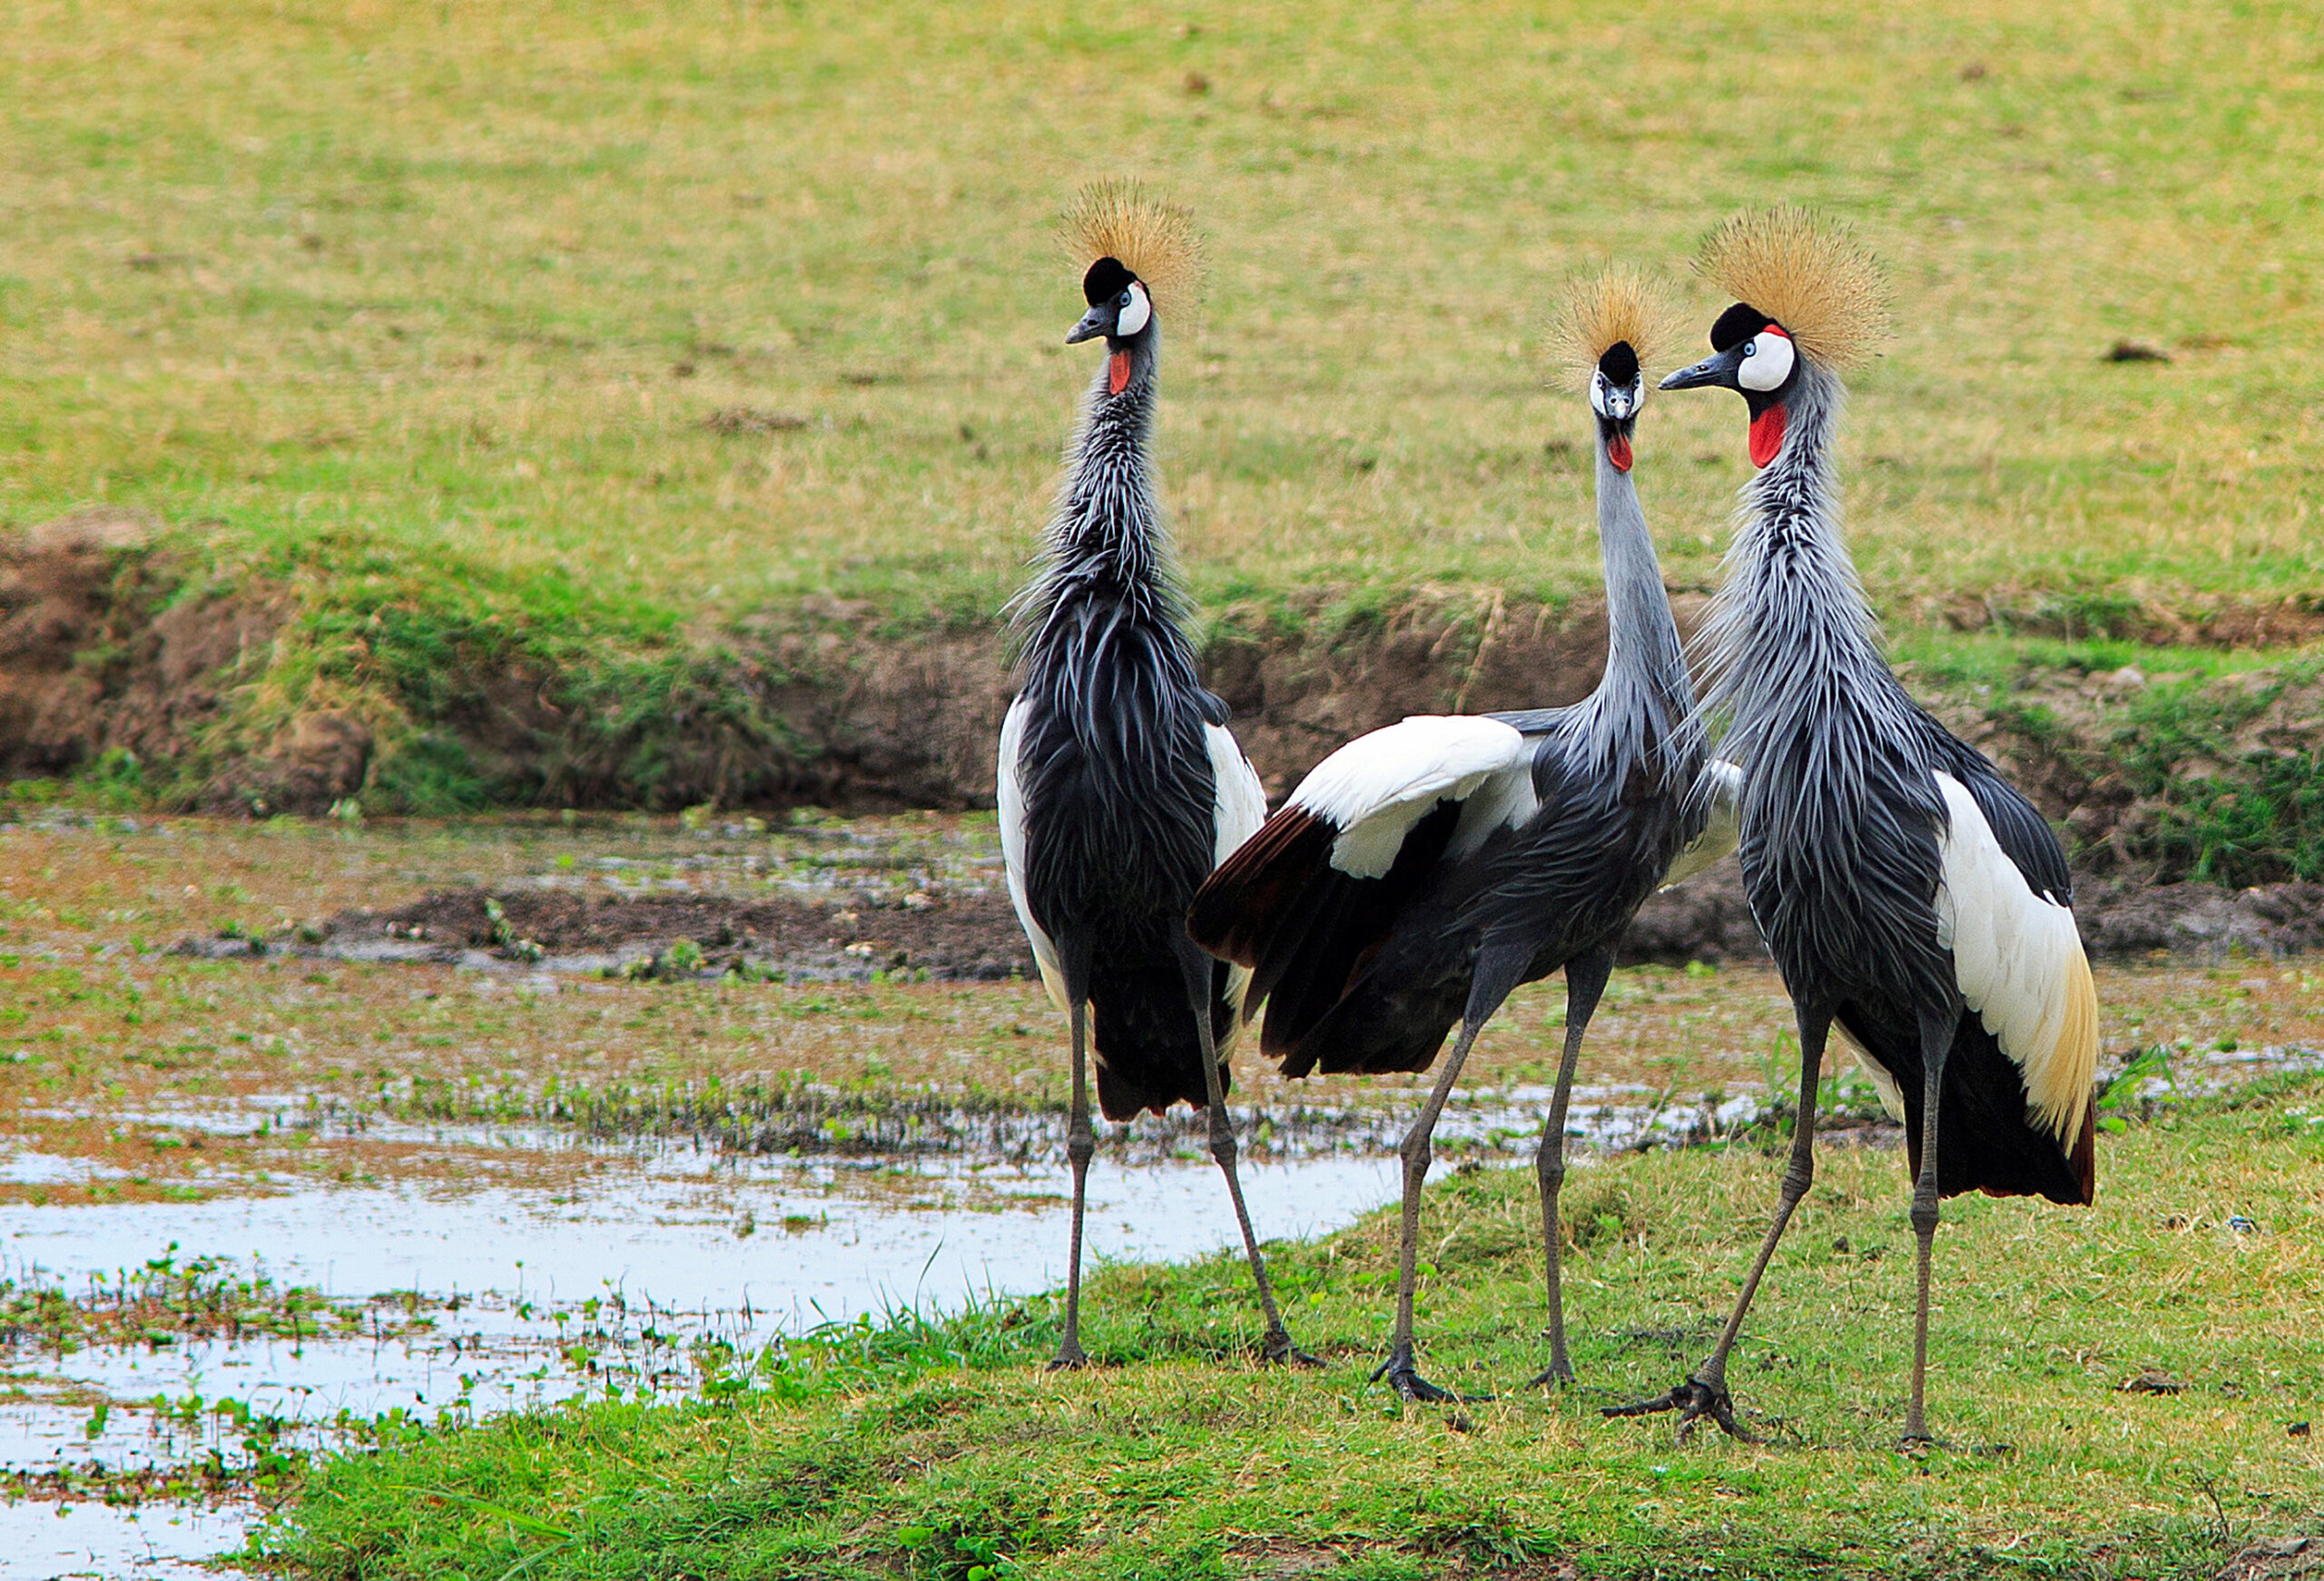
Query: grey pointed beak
pixel 1094 323
pixel 1711 370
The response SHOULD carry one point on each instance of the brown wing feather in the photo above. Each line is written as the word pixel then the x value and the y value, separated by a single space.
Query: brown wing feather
pixel 1244 900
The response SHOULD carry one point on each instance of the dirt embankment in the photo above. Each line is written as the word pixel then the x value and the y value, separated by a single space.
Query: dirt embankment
pixel 106 648
pixel 2212 621
pixel 100 652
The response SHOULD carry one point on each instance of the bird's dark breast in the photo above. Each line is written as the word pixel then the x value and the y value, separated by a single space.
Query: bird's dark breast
pixel 1120 800
pixel 1120 825
pixel 1838 843
pixel 1575 877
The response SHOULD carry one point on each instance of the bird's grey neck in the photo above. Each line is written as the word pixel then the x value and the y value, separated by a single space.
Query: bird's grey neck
pixel 1638 607
pixel 1645 702
pixel 1107 536
pixel 1791 606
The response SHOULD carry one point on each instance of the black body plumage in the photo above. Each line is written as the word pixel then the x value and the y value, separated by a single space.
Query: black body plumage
pixel 1371 975
pixel 1120 795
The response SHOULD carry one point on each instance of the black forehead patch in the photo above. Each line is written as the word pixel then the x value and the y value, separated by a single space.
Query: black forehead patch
pixel 1619 364
pixel 1104 282
pixel 1737 324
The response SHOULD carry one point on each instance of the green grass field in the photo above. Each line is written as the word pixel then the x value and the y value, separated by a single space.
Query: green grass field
pixel 943 1449
pixel 428 305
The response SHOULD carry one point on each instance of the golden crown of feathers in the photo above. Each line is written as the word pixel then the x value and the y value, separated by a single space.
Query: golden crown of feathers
pixel 1618 303
pixel 1155 241
pixel 1808 275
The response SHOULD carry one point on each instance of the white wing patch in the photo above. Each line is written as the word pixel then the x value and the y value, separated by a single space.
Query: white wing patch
pixel 1011 800
pixel 1883 1084
pixel 1722 788
pixel 1242 807
pixel 2020 965
pixel 1242 799
pixel 1375 788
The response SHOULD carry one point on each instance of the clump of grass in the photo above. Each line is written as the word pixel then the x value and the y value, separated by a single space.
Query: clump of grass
pixel 2257 813
pixel 1596 1210
pixel 164 1301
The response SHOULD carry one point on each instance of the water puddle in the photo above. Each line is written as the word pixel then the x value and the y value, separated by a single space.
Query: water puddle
pixel 91 1541
pixel 647 1272
pixel 313 1318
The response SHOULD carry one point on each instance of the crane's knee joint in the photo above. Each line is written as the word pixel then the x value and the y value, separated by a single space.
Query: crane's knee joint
pixel 1079 1149
pixel 1552 1169
pixel 1925 1216
pixel 1222 1145
pixel 1417 1154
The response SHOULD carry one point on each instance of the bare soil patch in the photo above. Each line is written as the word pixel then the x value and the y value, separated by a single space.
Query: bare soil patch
pixel 966 937
pixel 969 937
pixel 97 652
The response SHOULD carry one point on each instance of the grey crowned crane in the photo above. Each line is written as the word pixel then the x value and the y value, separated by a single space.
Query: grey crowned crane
pixel 1120 784
pixel 1905 891
pixel 1422 872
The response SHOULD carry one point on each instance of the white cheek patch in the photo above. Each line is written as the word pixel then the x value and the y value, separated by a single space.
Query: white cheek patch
pixel 1769 363
pixel 1133 318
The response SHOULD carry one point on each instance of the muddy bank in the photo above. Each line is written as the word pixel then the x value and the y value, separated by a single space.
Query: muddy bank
pixel 962 937
pixel 117 667
pixel 100 652
pixel 971 936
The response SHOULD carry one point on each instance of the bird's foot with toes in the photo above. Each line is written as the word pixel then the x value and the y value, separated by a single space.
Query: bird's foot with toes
pixel 1403 1374
pixel 1694 1400
pixel 1277 1348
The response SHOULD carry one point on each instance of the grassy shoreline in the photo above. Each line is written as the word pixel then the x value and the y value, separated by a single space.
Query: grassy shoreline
pixel 367 695
pixel 937 1447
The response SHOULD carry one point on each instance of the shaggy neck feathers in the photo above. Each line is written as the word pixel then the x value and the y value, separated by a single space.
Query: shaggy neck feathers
pixel 1105 645
pixel 1106 540
pixel 1790 630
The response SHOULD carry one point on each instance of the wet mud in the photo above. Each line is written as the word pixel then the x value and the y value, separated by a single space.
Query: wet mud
pixel 973 934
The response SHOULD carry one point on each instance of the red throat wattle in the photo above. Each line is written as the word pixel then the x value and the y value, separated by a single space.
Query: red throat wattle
pixel 1617 451
pixel 1766 434
pixel 1117 373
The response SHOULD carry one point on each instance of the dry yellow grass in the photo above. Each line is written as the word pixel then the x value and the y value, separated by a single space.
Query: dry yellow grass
pixel 463 283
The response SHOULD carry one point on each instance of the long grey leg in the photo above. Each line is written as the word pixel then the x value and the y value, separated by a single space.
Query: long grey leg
pixel 1079 1146
pixel 1277 1345
pixel 1585 980
pixel 1937 1043
pixel 1705 1391
pixel 1418 1151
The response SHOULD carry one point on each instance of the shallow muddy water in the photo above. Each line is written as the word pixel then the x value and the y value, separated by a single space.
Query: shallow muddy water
pixel 273 1170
